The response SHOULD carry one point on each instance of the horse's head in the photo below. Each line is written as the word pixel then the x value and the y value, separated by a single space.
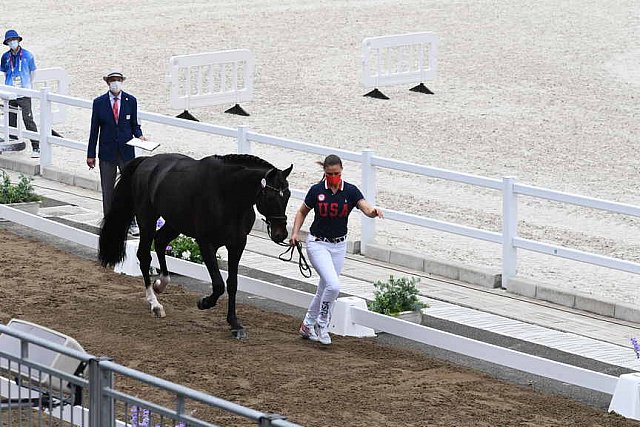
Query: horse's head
pixel 272 202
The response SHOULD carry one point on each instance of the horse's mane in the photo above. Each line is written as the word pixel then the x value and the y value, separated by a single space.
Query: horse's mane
pixel 245 160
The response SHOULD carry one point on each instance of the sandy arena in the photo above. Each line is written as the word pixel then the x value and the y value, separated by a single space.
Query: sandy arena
pixel 355 382
pixel 543 91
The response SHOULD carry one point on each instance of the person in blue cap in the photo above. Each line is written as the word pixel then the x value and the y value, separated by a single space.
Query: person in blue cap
pixel 18 66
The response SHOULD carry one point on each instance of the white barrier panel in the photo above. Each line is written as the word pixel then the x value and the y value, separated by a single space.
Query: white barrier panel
pixel 57 80
pixel 626 397
pixel 212 78
pixel 399 59
pixel 343 324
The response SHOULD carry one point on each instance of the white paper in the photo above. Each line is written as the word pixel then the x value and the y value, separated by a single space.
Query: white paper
pixel 145 145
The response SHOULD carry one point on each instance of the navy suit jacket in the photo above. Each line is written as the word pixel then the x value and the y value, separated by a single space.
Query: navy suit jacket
pixel 113 137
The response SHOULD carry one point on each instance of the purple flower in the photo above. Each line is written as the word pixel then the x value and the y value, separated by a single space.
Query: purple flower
pixel 636 347
pixel 144 418
pixel 159 223
pixel 168 249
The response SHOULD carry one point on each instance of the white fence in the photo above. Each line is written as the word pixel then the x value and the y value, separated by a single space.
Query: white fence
pixel 212 78
pixel 398 59
pixel 369 162
pixel 57 80
pixel 476 349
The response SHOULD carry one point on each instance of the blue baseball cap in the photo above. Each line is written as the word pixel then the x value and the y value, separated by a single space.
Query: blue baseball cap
pixel 11 34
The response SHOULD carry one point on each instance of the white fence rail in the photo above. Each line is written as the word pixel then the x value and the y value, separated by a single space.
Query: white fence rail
pixel 369 162
pixel 476 349
pixel 211 78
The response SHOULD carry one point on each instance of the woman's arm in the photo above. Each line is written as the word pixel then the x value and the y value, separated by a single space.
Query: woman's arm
pixel 297 223
pixel 369 210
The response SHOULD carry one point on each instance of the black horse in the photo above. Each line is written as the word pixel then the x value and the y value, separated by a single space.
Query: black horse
pixel 210 200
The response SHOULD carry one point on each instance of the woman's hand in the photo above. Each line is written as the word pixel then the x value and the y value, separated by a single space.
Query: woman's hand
pixel 293 241
pixel 377 212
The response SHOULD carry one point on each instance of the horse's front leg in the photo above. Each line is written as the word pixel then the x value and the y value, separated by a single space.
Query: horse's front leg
pixel 235 252
pixel 217 284
pixel 144 256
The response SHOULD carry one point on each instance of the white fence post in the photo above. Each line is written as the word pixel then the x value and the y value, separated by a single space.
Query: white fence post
pixel 509 230
pixel 244 145
pixel 45 128
pixel 369 188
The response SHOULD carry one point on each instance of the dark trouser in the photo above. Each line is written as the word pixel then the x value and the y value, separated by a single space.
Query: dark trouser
pixel 27 117
pixel 108 173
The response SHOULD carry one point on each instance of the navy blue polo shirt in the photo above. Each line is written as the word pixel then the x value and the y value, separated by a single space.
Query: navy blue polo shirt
pixel 331 210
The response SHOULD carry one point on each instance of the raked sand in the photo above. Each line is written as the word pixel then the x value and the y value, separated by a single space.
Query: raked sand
pixel 544 91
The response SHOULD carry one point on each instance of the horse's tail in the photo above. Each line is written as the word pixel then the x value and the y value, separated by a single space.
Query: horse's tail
pixel 115 226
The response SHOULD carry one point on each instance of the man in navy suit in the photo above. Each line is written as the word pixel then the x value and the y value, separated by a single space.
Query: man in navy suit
pixel 114 122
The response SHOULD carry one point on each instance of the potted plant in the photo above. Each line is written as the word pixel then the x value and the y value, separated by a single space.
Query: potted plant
pixel 20 195
pixel 398 298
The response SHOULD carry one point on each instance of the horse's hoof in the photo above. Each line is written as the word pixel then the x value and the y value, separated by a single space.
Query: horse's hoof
pixel 156 287
pixel 160 285
pixel 159 311
pixel 239 334
pixel 205 303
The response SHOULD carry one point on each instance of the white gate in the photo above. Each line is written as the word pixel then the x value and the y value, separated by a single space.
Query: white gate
pixel 212 78
pixel 57 80
pixel 399 59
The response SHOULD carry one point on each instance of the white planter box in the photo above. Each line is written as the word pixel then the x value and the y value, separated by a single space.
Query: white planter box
pixel 411 316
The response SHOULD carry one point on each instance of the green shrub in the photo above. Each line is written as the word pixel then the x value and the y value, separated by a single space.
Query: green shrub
pixel 17 193
pixel 395 296
pixel 185 248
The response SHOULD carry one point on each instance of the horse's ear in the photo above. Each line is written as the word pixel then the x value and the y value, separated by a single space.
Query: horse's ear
pixel 287 171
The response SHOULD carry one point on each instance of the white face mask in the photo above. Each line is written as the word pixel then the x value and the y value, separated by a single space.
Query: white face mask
pixel 115 86
pixel 13 44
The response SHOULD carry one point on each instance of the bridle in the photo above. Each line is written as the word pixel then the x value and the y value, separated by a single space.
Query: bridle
pixel 268 219
pixel 305 270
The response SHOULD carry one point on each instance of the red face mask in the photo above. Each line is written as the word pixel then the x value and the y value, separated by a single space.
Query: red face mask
pixel 333 180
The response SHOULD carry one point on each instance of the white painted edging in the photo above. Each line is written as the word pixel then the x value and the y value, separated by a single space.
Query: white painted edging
pixel 36 222
pixel 488 352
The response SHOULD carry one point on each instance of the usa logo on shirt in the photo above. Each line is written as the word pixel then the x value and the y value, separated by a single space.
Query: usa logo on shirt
pixel 321 197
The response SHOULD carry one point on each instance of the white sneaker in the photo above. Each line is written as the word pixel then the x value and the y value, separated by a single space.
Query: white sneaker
pixel 35 154
pixel 134 230
pixel 323 335
pixel 308 332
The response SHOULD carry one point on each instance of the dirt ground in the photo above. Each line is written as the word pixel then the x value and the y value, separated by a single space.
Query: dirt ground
pixel 354 382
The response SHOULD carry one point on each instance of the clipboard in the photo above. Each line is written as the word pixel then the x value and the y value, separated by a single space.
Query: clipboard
pixel 145 145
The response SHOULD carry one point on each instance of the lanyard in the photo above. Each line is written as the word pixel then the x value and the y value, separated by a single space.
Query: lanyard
pixel 19 55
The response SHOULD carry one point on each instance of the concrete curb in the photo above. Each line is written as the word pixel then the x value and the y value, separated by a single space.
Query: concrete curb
pixel 451 270
pixel 464 273
pixel 27 167
pixel 577 300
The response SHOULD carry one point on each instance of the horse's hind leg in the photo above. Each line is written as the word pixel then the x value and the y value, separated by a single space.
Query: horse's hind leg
pixel 144 256
pixel 163 236
pixel 209 257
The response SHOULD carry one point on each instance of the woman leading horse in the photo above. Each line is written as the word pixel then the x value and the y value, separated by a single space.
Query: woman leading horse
pixel 210 200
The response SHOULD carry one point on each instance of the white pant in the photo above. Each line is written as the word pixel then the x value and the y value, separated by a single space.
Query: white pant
pixel 327 259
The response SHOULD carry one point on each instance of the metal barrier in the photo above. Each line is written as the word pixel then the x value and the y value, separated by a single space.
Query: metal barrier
pixel 369 162
pixel 89 396
pixel 399 59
